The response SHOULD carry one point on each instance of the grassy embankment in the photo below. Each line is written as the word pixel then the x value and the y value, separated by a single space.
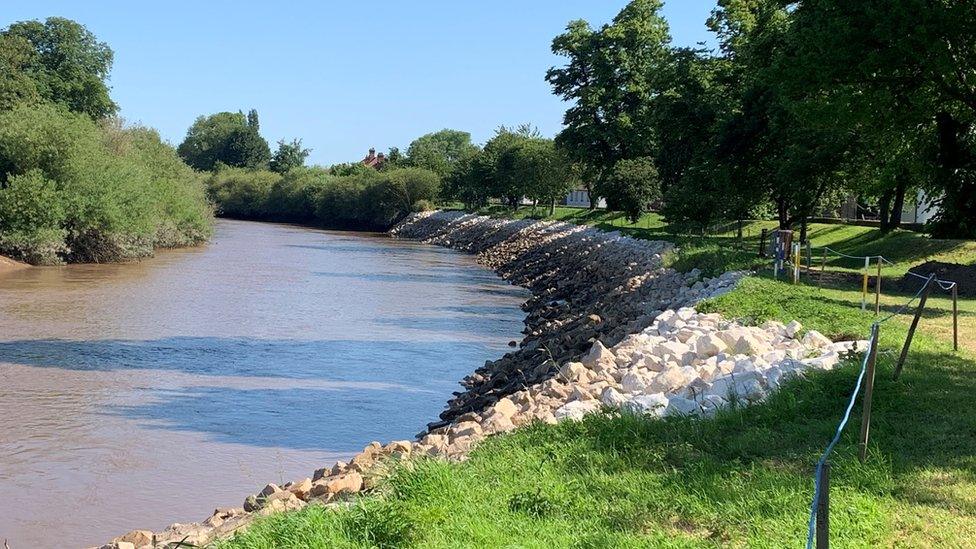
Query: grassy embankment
pixel 742 478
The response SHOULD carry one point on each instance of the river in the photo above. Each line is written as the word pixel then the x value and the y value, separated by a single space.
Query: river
pixel 134 395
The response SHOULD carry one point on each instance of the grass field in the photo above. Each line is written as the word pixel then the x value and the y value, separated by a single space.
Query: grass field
pixel 723 249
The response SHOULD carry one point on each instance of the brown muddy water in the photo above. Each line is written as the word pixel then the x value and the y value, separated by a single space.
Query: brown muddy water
pixel 136 395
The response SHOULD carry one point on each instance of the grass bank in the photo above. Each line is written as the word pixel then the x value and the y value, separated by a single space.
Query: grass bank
pixel 721 249
pixel 742 478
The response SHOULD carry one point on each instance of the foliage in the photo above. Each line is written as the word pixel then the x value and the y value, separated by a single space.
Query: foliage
pixel 288 156
pixel 57 61
pixel 804 103
pixel 225 138
pixel 72 189
pixel 440 151
pixel 631 186
pixel 544 171
pixel 365 199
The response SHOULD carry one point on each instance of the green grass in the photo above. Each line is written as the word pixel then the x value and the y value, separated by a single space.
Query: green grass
pixel 740 479
pixel 721 251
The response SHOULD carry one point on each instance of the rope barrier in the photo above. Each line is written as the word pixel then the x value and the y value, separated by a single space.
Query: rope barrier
pixel 811 526
pixel 944 284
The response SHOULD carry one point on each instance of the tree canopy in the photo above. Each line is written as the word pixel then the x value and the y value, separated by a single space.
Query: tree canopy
pixel 57 61
pixel 227 138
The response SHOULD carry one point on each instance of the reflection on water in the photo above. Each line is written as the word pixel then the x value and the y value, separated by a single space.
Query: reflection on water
pixel 132 395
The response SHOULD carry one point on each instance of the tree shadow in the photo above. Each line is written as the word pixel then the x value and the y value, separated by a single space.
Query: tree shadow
pixel 407 362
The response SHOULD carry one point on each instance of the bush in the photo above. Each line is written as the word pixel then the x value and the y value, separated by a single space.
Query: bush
pixel 293 197
pixel 79 191
pixel 242 193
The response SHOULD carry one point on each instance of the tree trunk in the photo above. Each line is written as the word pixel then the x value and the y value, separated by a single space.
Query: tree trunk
pixel 899 205
pixel 783 213
pixel 884 210
pixel 552 206
pixel 803 229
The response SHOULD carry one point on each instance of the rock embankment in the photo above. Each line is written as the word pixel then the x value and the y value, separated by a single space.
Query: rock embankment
pixel 587 285
pixel 609 329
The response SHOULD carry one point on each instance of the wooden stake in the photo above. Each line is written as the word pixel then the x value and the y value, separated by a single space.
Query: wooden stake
pixel 911 329
pixel 877 291
pixel 823 508
pixel 868 395
pixel 823 269
pixel 955 316
pixel 864 285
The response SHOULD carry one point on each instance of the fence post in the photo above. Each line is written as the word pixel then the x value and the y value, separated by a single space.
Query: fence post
pixel 762 243
pixel 823 507
pixel 911 329
pixel 955 316
pixel 823 268
pixel 864 284
pixel 809 259
pixel 877 291
pixel 796 263
pixel 868 395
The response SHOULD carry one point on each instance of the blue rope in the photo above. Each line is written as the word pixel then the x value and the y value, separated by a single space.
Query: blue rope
pixel 811 526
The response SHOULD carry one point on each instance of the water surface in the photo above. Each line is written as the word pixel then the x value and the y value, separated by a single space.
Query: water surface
pixel 136 395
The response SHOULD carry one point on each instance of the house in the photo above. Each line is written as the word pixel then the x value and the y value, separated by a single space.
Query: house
pixel 580 198
pixel 374 160
pixel 918 209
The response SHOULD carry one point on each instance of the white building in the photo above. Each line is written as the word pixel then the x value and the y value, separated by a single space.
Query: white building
pixel 580 198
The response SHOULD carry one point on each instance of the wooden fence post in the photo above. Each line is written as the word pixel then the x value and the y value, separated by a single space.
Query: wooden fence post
pixel 877 291
pixel 868 395
pixel 823 508
pixel 864 284
pixel 911 329
pixel 823 268
pixel 955 316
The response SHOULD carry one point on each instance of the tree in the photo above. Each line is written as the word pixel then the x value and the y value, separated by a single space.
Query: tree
pixel 226 138
pixel 440 151
pixel 633 184
pixel 289 156
pixel 498 163
pixel 611 78
pixel 468 181
pixel 64 61
pixel 16 86
pixel 544 170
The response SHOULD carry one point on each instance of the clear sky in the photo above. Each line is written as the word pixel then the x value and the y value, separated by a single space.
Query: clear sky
pixel 342 75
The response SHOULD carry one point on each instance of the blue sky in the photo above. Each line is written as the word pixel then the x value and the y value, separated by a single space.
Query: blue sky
pixel 342 75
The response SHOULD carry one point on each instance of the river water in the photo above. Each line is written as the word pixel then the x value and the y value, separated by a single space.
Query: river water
pixel 140 394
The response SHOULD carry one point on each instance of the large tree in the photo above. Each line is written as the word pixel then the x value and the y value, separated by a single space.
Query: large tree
pixel 288 156
pixel 57 60
pixel 544 170
pixel 225 138
pixel 611 79
pixel 440 151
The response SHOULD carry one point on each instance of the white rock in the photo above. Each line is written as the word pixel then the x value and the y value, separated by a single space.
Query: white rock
pixel 576 410
pixel 709 345
pixel 815 339
pixel 793 328
pixel 598 354
pixel 654 404
pixel 572 372
pixel 681 406
pixel 634 382
pixel 612 398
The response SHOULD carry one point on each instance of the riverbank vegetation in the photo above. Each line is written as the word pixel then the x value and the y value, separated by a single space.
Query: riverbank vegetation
pixel 741 478
pixel 76 183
